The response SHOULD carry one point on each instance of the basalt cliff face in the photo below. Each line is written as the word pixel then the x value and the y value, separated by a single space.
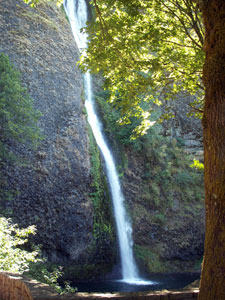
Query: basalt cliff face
pixel 52 188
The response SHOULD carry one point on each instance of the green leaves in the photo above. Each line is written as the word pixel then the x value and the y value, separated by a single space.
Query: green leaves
pixel 12 257
pixel 197 165
pixel 146 50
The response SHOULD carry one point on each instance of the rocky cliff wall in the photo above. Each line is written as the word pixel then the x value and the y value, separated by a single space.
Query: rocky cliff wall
pixel 52 188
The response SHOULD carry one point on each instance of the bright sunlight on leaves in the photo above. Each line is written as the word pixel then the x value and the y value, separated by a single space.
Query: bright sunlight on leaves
pixel 12 257
pixel 146 51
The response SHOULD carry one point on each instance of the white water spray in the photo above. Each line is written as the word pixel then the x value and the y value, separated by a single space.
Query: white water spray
pixel 77 13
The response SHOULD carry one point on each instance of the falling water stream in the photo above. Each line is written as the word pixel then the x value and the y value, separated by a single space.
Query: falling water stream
pixel 77 13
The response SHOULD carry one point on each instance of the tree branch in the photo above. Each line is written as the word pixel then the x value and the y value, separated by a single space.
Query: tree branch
pixel 182 23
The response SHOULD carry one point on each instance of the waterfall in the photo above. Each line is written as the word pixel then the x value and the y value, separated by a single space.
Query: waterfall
pixel 77 14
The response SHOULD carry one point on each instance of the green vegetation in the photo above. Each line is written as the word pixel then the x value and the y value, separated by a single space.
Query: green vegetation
pixel 15 258
pixel 168 171
pixel 12 257
pixel 18 117
pixel 146 51
pixel 196 164
pixel 150 259
pixel 110 116
pixel 103 221
pixel 169 187
pixel 150 52
pixel 51 275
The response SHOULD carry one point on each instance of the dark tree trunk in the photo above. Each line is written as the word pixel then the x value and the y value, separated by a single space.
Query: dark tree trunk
pixel 212 286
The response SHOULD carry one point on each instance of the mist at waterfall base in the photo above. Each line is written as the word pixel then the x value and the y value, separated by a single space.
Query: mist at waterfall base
pixel 131 281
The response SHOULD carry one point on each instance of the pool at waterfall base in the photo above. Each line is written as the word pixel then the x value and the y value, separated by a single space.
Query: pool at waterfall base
pixel 154 282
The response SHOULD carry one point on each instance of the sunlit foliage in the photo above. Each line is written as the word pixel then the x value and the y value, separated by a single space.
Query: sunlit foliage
pixel 197 165
pixel 12 257
pixel 146 51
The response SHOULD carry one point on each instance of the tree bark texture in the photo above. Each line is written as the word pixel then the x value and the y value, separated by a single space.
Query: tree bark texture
pixel 212 286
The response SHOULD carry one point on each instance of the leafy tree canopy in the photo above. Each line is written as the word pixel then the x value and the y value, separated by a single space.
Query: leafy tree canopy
pixel 18 118
pixel 146 50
